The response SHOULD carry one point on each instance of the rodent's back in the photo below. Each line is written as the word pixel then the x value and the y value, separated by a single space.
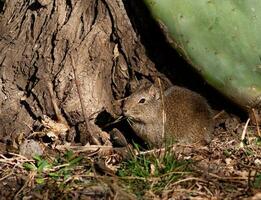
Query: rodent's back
pixel 188 116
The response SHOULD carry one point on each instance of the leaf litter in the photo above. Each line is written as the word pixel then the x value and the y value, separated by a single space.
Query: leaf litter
pixel 228 168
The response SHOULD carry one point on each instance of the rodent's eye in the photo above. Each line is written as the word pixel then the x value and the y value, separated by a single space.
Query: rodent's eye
pixel 142 100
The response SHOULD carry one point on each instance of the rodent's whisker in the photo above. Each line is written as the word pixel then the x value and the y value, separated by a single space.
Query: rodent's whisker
pixel 130 121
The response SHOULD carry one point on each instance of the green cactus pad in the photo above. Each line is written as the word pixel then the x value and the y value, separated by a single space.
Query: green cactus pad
pixel 221 39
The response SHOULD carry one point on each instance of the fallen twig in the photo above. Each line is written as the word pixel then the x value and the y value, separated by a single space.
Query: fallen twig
pixel 243 136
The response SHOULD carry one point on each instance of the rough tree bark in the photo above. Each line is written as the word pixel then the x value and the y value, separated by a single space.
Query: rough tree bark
pixel 41 42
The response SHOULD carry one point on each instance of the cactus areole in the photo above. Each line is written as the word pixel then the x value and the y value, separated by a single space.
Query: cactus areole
pixel 221 39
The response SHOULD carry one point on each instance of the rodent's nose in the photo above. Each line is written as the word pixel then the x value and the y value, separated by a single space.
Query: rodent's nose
pixel 124 111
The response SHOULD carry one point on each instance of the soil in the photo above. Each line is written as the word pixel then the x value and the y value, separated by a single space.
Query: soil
pixel 223 170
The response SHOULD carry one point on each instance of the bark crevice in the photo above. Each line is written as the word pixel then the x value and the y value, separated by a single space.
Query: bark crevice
pixel 36 46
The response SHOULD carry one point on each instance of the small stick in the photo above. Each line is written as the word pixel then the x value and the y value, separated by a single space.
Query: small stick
pixel 29 179
pixel 3 178
pixel 115 121
pixel 189 179
pixel 92 138
pixel 228 178
pixel 163 110
pixel 57 111
pixel 163 149
pixel 84 148
pixel 244 133
pixel 219 114
pixel 257 125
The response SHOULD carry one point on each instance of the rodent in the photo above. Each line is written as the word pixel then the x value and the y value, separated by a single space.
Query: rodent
pixel 188 117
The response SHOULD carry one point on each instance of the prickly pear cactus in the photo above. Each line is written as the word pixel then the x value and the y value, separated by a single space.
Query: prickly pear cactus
pixel 221 39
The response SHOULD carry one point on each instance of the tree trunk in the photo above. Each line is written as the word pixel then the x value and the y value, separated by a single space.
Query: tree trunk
pixel 85 52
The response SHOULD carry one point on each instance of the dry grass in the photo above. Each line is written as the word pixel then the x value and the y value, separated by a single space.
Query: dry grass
pixel 229 168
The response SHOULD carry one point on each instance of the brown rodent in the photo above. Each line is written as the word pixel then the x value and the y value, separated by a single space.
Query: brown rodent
pixel 188 117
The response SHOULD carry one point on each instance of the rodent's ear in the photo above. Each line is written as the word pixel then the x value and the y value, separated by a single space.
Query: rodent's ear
pixel 154 91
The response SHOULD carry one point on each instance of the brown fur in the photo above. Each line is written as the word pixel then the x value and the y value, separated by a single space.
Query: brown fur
pixel 188 116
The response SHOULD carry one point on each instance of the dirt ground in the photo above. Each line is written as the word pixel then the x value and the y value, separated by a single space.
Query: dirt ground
pixel 228 168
